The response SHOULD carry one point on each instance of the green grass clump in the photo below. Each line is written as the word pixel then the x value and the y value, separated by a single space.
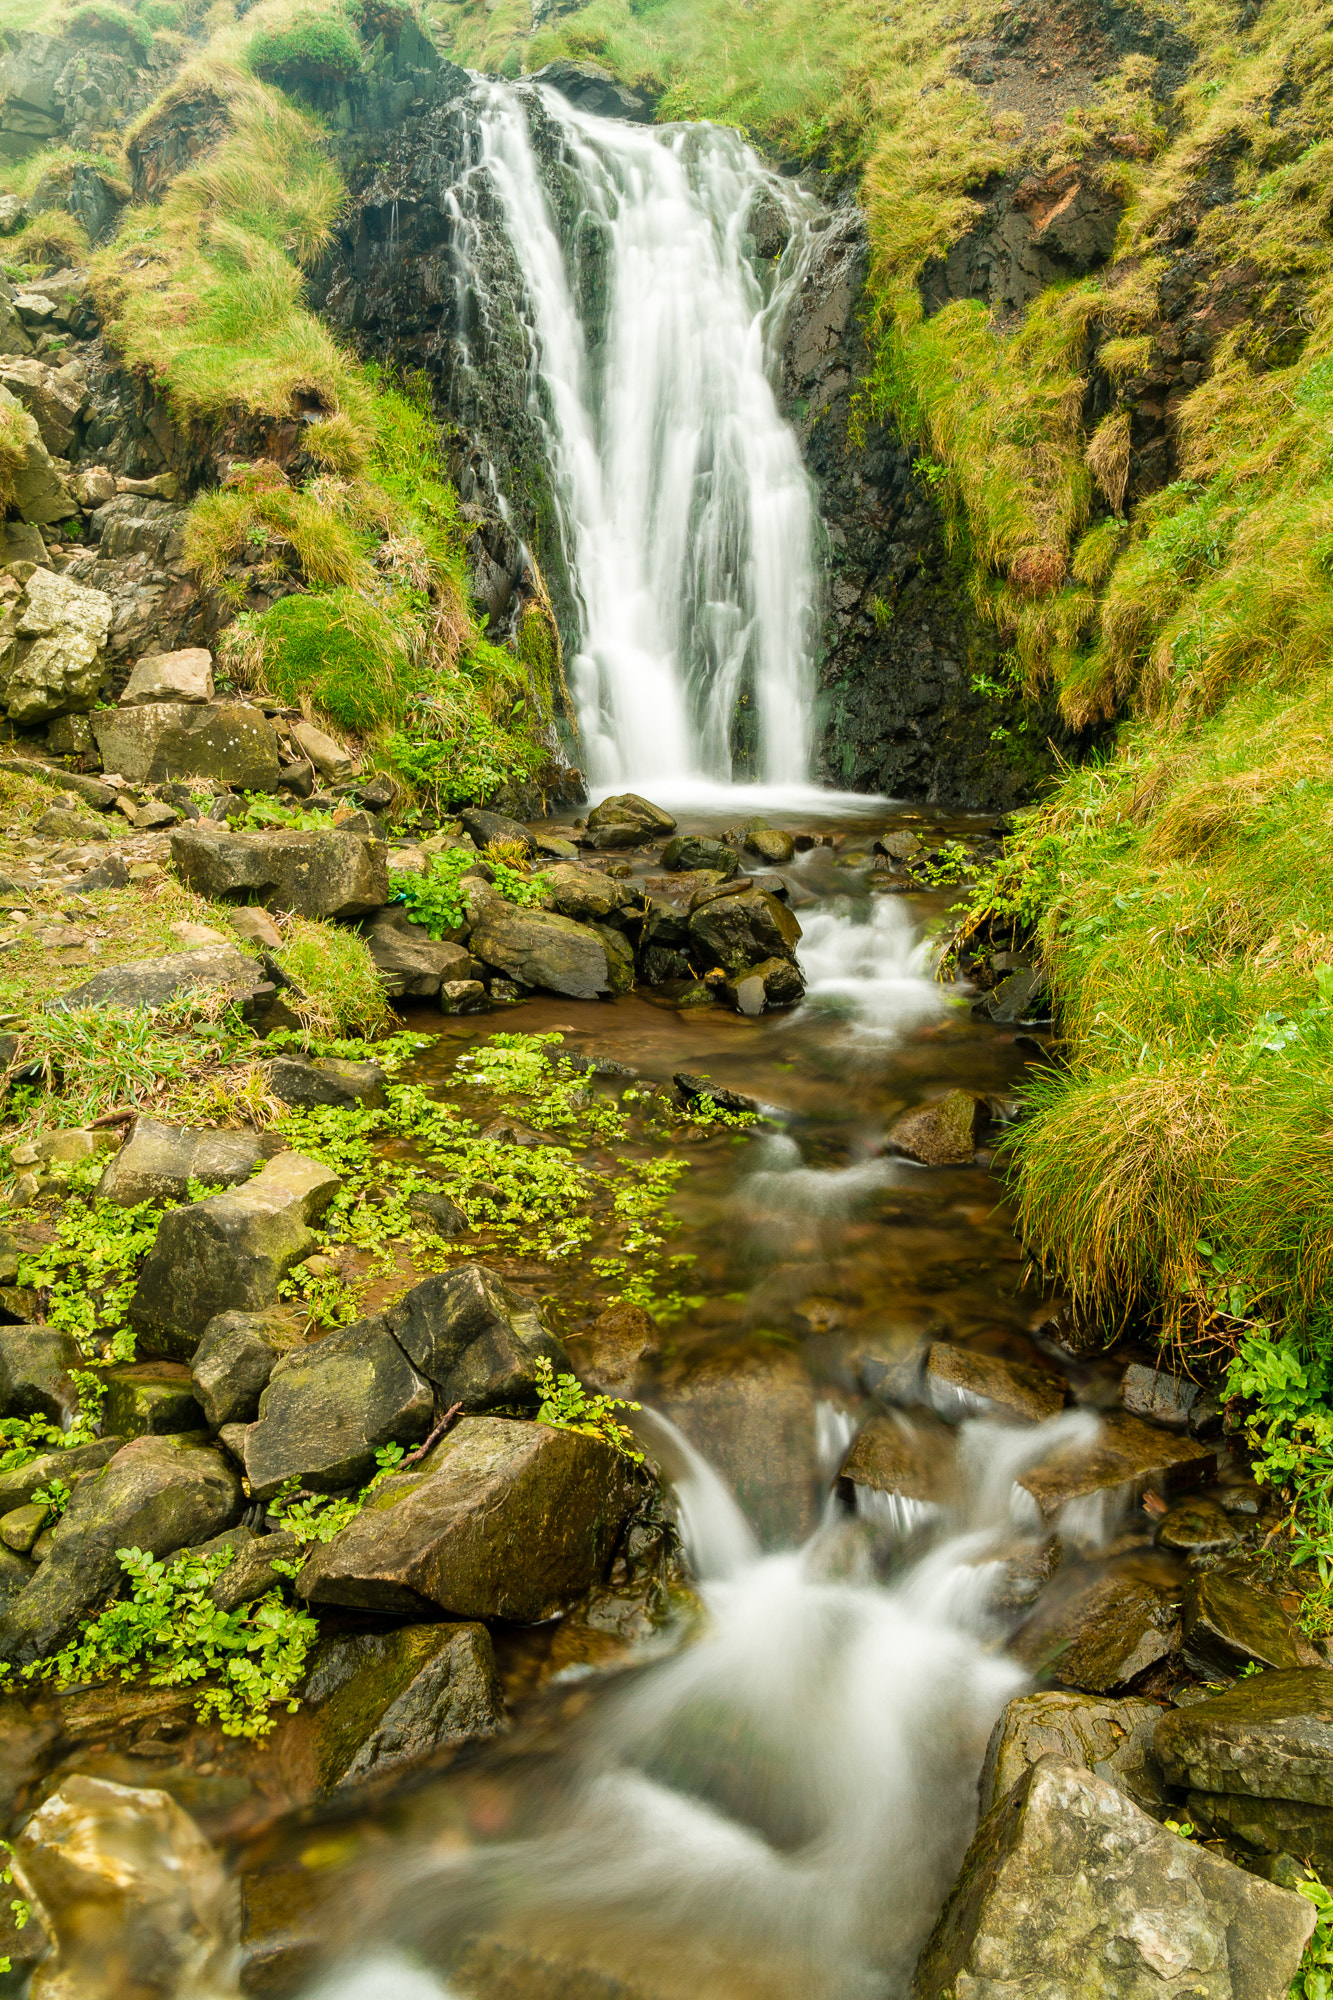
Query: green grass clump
pixel 339 989
pixel 128 33
pixel 313 49
pixel 342 650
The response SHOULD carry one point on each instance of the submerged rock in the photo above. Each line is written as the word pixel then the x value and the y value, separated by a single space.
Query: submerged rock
pixel 502 1519
pixel 943 1134
pixel 1197 1526
pixel 914 1460
pixel 1069 1889
pixel 384 1701
pixel 328 1407
pixel 1270 1736
pixel 1112 1738
pixel 1117 1466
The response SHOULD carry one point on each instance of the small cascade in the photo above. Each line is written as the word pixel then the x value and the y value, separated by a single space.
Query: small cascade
pixel 688 521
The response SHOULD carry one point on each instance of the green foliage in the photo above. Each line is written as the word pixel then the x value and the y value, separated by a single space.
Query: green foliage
pixel 89 1268
pixel 105 1057
pixel 22 1439
pixel 113 26
pixel 170 1630
pixel 318 1517
pixel 312 49
pixel 261 810
pixel 1290 1431
pixel 567 1406
pixel 344 651
pixel 1314 1978
pixel 437 900
pixel 20 1910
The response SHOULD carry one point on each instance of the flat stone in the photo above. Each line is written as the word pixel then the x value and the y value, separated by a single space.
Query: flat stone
pixel 942 1134
pixel 227 741
pixel 320 873
pixel 35 1372
pixel 1069 1889
pixel 540 949
pixel 1112 1738
pixel 1101 1638
pixel 232 1364
pixel 63 823
pixel 151 982
pixel 186 675
pixel 328 1407
pixel 1231 1621
pixel 157 1494
pixel 157 1162
pixel 476 1341
pixel 588 895
pixel 627 821
pixel 326 1080
pixel 1196 1527
pixel 1270 1736
pixel 1151 1392
pixel 385 1701
pixel 961 1381
pixel 1128 1457
pixel 502 1519
pixel 411 964
pixel 230 1252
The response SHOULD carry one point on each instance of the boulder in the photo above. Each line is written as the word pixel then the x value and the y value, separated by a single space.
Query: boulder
pixel 53 648
pixel 227 741
pixel 140 1905
pixel 483 827
pixel 501 1519
pixel 231 1366
pixel 776 982
pixel 62 822
pixel 689 851
pixel 942 1134
pixel 328 757
pixel 36 487
pixel 619 957
pixel 157 1162
pixel 150 1399
pixel 475 1340
pixel 156 1494
pixel 230 1252
pixel 770 844
pixel 540 949
pixel 1125 1459
pixel 1270 1736
pixel 962 1382
pixel 409 961
pixel 55 399
pixel 326 1080
pixel 1102 1637
pixel 1068 1888
pixel 328 1407
pixel 151 982
pixel 1153 1393
pixel 626 821
pixel 321 873
pixel 913 1461
pixel 1231 1621
pixel 585 894
pixel 740 932
pixel 36 1364
pixel 384 1701
pixel 1112 1738
pixel 1196 1527
pixel 183 676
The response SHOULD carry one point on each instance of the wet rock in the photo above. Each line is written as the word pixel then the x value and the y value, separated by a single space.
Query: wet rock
pixel 1231 1621
pixel 329 1406
pixel 1126 1458
pixel 326 1080
pixel 1112 1738
pixel 1196 1527
pixel 540 949
pixel 183 676
pixel 483 827
pixel 696 1089
pixel 384 1701
pixel 619 957
pixel 598 90
pixel 151 982
pixel 231 1366
pixel 156 1494
pixel 251 1575
pixel 1270 1736
pixel 942 1134
pixel 157 1162
pixel 777 982
pixel 476 1341
pixel 141 1906
pixel 586 894
pixel 227 741
pixel 409 961
pixel 1020 997
pixel 18 1485
pixel 912 1460
pixel 1101 1637
pixel 502 1519
pixel 1269 1826
pixel 462 996
pixel 35 1372
pixel 614 1352
pixel 689 851
pixel 960 1381
pixel 229 1252
pixel 1068 1888
pixel 439 1213
pixel 52 648
pixel 1152 1393
pixel 320 873
pixel 740 932
pixel 150 1398
pixel 770 844
pixel 627 821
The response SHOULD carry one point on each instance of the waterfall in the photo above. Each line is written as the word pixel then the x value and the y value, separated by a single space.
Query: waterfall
pixel 688 520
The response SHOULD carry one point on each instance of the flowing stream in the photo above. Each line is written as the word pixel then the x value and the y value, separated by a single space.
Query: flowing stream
pixel 688 519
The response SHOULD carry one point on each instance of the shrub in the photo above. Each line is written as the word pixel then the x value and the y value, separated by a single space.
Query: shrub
pixel 314 49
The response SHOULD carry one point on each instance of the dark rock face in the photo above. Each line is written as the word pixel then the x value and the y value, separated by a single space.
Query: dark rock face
pixel 474 1339
pixel 329 1406
pixel 231 1367
pixel 383 1701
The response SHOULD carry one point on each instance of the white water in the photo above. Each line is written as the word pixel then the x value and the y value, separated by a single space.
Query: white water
pixel 872 967
pixel 688 518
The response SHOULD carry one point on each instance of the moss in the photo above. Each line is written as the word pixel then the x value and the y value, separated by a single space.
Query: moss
pixel 129 34
pixel 341 651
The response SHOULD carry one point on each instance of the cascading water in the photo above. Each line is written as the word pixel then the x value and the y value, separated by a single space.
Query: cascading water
pixel 688 520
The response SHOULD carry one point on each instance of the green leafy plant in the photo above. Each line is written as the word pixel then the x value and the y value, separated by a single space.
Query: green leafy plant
pixel 19 1908
pixel 22 1439
pixel 260 810
pixel 436 899
pixel 567 1406
pixel 318 1517
pixel 1314 1976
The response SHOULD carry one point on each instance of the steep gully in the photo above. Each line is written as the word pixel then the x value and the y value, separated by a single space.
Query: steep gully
pixel 779 1807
